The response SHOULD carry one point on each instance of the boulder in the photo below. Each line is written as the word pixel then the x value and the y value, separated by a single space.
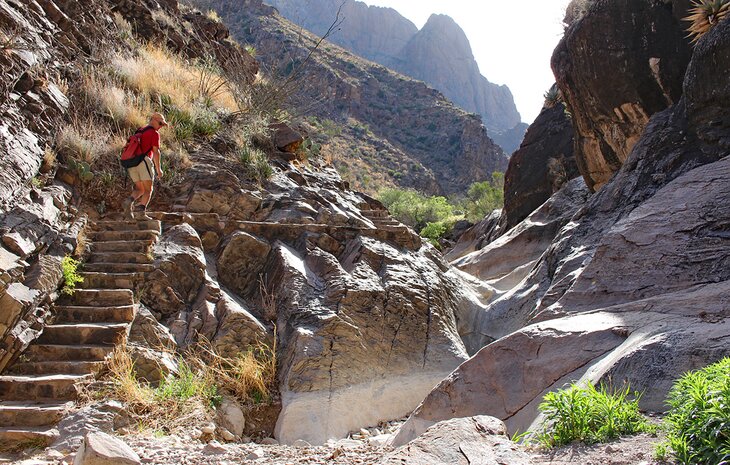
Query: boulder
pixel 230 416
pixel 641 47
pixel 285 138
pixel 238 329
pixel 241 261
pixel 103 449
pixel 473 440
pixel 179 274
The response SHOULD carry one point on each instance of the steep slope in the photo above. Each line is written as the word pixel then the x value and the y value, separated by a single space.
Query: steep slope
pixel 439 54
pixel 442 149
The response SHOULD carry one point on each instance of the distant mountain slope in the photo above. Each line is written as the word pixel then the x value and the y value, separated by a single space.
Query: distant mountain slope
pixel 439 54
pixel 392 128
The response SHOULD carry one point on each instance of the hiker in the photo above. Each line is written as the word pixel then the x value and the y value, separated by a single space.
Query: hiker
pixel 141 157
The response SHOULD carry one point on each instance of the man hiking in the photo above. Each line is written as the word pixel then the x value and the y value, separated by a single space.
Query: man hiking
pixel 148 163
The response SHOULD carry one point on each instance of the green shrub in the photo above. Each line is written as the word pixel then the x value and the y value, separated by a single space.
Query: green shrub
pixel 484 197
pixel 699 416
pixel 255 163
pixel 69 267
pixel 414 209
pixel 590 415
pixel 435 231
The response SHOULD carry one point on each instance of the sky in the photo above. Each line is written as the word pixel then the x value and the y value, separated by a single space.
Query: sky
pixel 512 41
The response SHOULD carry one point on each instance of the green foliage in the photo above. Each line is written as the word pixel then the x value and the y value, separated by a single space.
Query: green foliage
pixel 699 416
pixel 435 231
pixel 185 385
pixel 69 268
pixel 590 415
pixel 484 197
pixel 415 209
pixel 311 148
pixel 82 168
pixel 202 123
pixel 255 162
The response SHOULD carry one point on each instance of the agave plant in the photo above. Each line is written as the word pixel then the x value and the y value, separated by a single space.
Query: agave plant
pixel 552 97
pixel 704 15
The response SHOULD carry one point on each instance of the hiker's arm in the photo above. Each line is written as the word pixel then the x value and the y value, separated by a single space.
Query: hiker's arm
pixel 156 160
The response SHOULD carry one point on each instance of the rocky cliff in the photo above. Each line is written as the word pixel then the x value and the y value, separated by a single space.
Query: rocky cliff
pixel 439 54
pixel 629 288
pixel 431 144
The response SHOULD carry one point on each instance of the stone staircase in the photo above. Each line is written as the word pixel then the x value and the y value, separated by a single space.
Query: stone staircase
pixel 42 384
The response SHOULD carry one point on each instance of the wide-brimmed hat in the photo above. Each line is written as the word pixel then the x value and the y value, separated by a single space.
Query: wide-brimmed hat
pixel 159 117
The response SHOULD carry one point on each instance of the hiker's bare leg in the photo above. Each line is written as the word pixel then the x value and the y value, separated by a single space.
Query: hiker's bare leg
pixel 144 199
pixel 138 191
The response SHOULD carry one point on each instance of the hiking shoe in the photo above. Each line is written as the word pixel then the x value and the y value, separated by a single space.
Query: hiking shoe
pixel 141 213
pixel 128 208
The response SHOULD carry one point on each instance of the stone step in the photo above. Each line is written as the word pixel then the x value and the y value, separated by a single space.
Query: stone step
pixel 99 297
pixel 127 225
pixel 80 314
pixel 49 352
pixel 119 257
pixel 31 414
pixel 116 236
pixel 12 437
pixel 83 333
pixel 375 213
pixel 97 280
pixel 58 367
pixel 118 267
pixel 40 387
pixel 121 246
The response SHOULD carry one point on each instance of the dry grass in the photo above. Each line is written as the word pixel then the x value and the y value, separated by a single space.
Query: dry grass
pixel 704 15
pixel 160 74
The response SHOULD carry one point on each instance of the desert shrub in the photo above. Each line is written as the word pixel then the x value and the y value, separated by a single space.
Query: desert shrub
pixel 484 197
pixel 699 416
pixel 415 209
pixel 589 414
pixel 71 277
pixel 255 163
pixel 435 231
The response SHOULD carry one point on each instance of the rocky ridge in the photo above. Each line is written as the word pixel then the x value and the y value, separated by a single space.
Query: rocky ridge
pixel 440 149
pixel 438 54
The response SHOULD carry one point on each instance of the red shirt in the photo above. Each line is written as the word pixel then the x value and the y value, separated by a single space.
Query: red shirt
pixel 150 139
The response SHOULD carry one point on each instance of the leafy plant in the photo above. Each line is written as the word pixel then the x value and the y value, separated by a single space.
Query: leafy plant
pixel 699 416
pixel 553 97
pixel 415 209
pixel 187 384
pixel 704 15
pixel 589 414
pixel 71 277
pixel 484 197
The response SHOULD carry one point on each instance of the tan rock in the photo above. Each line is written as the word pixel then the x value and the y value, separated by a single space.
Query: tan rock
pixel 102 449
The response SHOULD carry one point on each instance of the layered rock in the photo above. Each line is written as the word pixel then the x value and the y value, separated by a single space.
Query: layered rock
pixel 633 282
pixel 644 54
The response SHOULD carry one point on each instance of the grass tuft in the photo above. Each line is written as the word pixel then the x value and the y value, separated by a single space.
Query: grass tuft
pixel 71 277
pixel 589 414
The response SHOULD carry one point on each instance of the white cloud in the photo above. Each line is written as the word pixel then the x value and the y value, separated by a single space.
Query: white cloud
pixel 512 41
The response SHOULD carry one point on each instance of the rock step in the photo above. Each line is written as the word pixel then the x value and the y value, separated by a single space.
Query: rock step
pixel 119 257
pixel 96 280
pixel 83 333
pixel 38 436
pixel 116 236
pixel 64 367
pixel 375 213
pixel 28 414
pixel 118 267
pixel 48 352
pixel 40 387
pixel 121 246
pixel 100 297
pixel 79 314
pixel 128 225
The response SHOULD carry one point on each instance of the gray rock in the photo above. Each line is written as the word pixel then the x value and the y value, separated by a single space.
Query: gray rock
pixel 103 449
pixel 462 441
pixel 230 416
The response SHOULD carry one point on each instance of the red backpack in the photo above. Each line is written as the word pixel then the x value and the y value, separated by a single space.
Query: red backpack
pixel 132 154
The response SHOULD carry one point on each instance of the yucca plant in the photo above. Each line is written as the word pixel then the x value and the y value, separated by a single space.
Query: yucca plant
pixel 552 97
pixel 704 15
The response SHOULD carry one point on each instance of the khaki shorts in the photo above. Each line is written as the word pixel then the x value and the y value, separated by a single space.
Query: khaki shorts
pixel 145 171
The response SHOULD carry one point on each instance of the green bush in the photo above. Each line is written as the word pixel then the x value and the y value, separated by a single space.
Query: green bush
pixel 590 415
pixel 484 197
pixel 71 277
pixel 699 416
pixel 415 209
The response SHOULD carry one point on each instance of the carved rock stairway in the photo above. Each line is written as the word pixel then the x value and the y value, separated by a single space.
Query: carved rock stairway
pixel 37 390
